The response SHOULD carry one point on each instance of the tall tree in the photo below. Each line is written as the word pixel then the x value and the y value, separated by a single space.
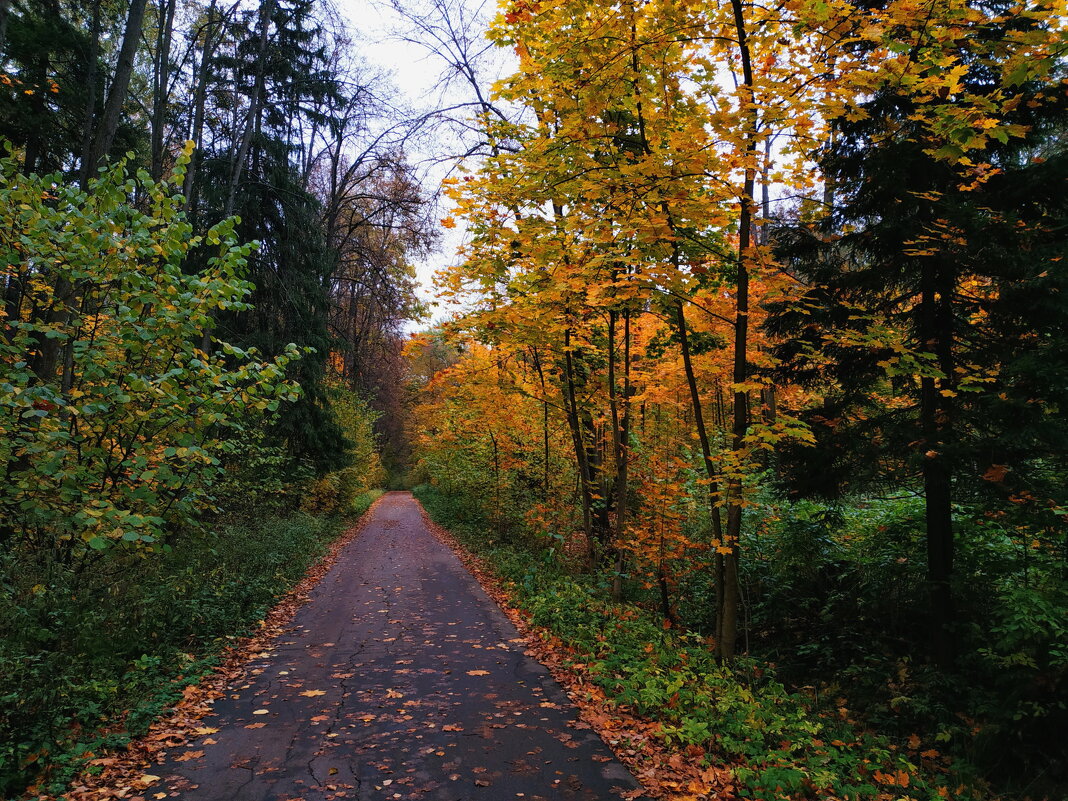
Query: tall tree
pixel 915 283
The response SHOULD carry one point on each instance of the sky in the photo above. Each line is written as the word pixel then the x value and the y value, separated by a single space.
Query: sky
pixel 414 74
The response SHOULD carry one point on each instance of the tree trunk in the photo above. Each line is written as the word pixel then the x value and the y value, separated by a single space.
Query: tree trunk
pixel 577 438
pixel 711 474
pixel 12 303
pixel 544 426
pixel 93 78
pixel 936 333
pixel 5 12
pixel 496 486
pixel 254 108
pixel 620 443
pixel 160 83
pixel 200 96
pixel 104 134
pixel 740 373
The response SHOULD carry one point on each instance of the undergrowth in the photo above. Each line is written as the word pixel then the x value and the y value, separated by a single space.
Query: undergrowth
pixel 780 744
pixel 88 662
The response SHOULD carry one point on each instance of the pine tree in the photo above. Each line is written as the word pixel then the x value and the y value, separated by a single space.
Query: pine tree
pixel 934 315
pixel 278 58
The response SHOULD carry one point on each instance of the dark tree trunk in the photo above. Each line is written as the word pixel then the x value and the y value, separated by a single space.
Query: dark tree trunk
pixel 93 78
pixel 740 423
pixel 577 439
pixel 200 95
pixel 104 134
pixel 544 425
pixel 160 84
pixel 936 333
pixel 620 407
pixel 254 107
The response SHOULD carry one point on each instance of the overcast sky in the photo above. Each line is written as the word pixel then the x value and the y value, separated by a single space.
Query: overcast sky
pixel 415 77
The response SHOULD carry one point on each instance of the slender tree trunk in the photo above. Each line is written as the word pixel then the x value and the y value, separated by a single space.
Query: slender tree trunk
pixel 611 552
pixel 104 134
pixel 496 485
pixel 620 409
pixel 544 426
pixel 254 108
pixel 740 373
pixel 577 438
pixel 12 304
pixel 623 501
pixel 200 96
pixel 662 584
pixel 593 436
pixel 711 473
pixel 161 83
pixel 724 596
pixel 92 81
pixel 768 404
pixel 936 332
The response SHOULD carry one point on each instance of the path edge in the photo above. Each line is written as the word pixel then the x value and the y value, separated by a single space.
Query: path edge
pixel 126 774
pixel 617 727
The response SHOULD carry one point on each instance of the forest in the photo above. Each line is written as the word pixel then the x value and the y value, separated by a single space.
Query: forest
pixel 745 385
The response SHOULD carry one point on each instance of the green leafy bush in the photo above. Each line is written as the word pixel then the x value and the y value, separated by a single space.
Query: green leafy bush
pixel 113 420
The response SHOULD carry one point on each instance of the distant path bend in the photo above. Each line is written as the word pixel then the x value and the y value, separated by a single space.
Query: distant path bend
pixel 399 679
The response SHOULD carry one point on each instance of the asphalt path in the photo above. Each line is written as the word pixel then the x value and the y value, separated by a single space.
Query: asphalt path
pixel 399 679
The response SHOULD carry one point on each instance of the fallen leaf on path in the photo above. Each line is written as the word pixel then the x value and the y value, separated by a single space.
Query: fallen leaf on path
pixel 312 693
pixel 189 755
pixel 255 725
pixel 478 673
pixel 261 712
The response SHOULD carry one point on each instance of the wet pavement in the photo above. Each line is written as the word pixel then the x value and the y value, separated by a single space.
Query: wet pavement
pixel 399 679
